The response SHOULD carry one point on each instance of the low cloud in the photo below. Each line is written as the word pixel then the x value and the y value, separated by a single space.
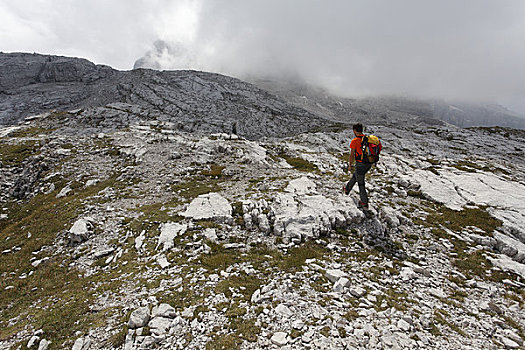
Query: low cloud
pixel 456 49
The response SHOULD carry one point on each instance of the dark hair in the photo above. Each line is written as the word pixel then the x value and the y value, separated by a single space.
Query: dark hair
pixel 358 127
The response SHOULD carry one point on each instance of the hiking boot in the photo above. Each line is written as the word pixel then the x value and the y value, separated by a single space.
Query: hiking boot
pixel 345 191
pixel 362 205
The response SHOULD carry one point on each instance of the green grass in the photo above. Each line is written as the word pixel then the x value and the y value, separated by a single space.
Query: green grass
pixel 61 294
pixel 249 284
pixel 151 215
pixel 299 163
pixel 296 257
pixel 441 317
pixel 215 171
pixel 219 258
pixel 458 220
pixel 30 132
pixel 14 154
pixel 196 186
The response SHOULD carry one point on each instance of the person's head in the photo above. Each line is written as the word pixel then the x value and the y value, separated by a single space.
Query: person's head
pixel 358 128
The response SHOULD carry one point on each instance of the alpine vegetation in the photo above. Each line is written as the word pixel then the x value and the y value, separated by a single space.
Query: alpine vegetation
pixel 189 210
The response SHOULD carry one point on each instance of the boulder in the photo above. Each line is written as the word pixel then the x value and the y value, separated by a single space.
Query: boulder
pixel 279 339
pixel 34 339
pixel 168 232
pixel 139 318
pixel 340 284
pixel 80 231
pixel 44 344
pixel 159 325
pixel 357 292
pixel 164 310
pixel 334 275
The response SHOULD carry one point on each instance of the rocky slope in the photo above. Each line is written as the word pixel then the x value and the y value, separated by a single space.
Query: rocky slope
pixel 121 232
pixel 193 101
pixel 394 110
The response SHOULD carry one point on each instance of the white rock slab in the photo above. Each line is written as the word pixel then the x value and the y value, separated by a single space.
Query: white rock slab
pixel 168 232
pixel 299 217
pixel 357 292
pixel 159 325
pixel 163 261
pixel 139 241
pixel 507 264
pixel 301 186
pixel 403 325
pixel 279 338
pixel 34 339
pixel 164 310
pixel 340 284
pixel 437 292
pixel 44 344
pixel 256 296
pixel 64 192
pixel 439 189
pixel 283 310
pixel 79 344
pixel 211 234
pixel 333 275
pixel 211 206
pixel 509 344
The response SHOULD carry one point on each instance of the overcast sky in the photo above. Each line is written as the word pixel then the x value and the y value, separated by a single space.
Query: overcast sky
pixel 459 49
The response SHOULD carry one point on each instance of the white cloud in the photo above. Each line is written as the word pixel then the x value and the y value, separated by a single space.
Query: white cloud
pixel 446 48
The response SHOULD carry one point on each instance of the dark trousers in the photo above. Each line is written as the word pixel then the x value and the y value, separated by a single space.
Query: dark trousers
pixel 359 177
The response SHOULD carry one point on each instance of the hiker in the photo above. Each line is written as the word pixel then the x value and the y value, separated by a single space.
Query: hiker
pixel 357 167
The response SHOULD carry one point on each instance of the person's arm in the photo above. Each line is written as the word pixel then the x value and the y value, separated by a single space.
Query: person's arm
pixel 351 161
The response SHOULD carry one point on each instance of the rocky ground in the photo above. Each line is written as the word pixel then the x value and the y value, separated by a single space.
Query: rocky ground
pixel 136 235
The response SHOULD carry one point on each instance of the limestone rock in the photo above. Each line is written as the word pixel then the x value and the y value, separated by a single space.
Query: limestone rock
pixel 333 275
pixel 44 344
pixel 164 310
pixel 210 206
pixel 509 344
pixel 168 232
pixel 163 261
pixel 80 231
pixel 279 338
pixel 34 339
pixel 139 317
pixel 283 310
pixel 341 284
pixel 357 292
pixel 159 325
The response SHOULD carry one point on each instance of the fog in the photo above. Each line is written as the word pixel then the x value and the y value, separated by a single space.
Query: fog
pixel 454 49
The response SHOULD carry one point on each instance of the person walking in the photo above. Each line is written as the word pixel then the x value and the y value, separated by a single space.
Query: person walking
pixel 358 167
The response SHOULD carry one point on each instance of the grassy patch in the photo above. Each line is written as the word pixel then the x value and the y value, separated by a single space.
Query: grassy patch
pixel 215 171
pixel 30 132
pixel 433 161
pixel 14 154
pixel 219 258
pixel 299 163
pixel 54 297
pixel 195 187
pixel 296 257
pixel 458 220
pixel 416 194
pixel 394 299
pixel 242 283
pixel 441 316
pixel 152 215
